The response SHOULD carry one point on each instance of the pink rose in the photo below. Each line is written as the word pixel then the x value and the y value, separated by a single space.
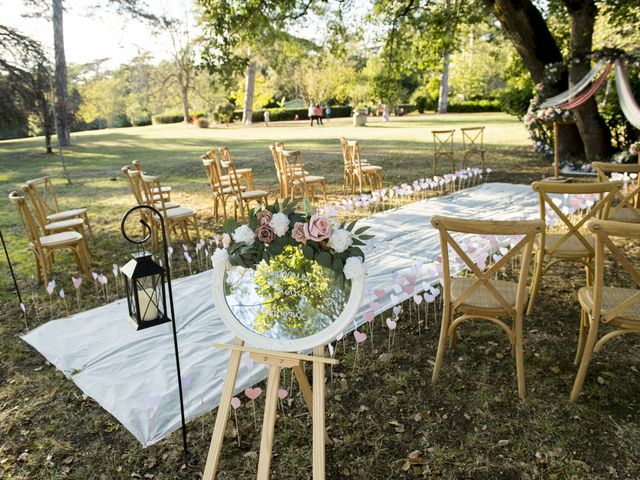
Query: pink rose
pixel 264 216
pixel 318 228
pixel 265 233
pixel 298 233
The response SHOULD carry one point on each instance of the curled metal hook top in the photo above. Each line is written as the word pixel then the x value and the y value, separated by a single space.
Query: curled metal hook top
pixel 142 221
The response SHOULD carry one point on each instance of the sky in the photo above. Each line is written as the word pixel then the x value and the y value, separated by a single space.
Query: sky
pixel 102 34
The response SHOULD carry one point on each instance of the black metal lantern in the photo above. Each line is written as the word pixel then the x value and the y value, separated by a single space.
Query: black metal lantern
pixel 144 282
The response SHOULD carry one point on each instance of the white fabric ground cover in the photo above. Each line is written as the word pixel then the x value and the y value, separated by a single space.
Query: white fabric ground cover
pixel 131 374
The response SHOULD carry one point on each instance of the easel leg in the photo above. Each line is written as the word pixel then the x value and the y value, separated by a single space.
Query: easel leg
pixel 223 413
pixel 305 388
pixel 318 417
pixel 269 422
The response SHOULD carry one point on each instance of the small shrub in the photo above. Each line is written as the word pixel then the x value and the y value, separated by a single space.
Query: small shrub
pixel 282 114
pixel 202 122
pixel 141 121
pixel 421 104
pixel 120 121
pixel 164 118
pixel 224 113
pixel 516 101
pixel 473 106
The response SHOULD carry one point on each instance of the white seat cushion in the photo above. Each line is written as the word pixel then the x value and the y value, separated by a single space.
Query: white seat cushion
pixel 64 224
pixel 54 217
pixel 60 238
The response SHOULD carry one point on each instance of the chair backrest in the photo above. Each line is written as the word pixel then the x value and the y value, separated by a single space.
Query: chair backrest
pixel 277 163
pixel 135 183
pixel 38 205
pixel 528 229
pixel 149 182
pixel 443 142
pixel 601 194
pixel 629 175
pixel 17 199
pixel 43 187
pixel 346 154
pixel 137 165
pixel 472 138
pixel 225 156
pixel 291 161
pixel 356 160
pixel 603 231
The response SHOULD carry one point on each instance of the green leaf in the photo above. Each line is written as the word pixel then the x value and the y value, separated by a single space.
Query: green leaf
pixel 324 259
pixel 230 225
pixel 337 264
pixel 361 230
pixel 275 249
pixel 356 252
pixel 351 225
pixel 357 242
pixel 366 237
pixel 308 208
pixel 253 222
pixel 308 252
pixel 276 206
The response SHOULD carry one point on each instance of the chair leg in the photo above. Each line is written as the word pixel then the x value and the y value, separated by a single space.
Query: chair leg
pixel 444 329
pixel 435 163
pixel 453 164
pixel 196 226
pixel 453 338
pixel 586 359
pixel 85 217
pixel 38 266
pixel 535 283
pixel 519 354
pixel 324 191
pixel 581 336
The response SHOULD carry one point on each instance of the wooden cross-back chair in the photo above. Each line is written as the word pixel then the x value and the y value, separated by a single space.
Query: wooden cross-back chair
pixel 625 207
pixel 220 187
pixel 286 172
pixel 443 148
pixel 43 188
pixel 572 245
pixel 361 169
pixel 44 246
pixel 243 198
pixel 479 296
pixel 602 305
pixel 348 164
pixel 298 180
pixel 166 189
pixel 244 173
pixel 143 195
pixel 473 145
pixel 74 223
pixel 175 218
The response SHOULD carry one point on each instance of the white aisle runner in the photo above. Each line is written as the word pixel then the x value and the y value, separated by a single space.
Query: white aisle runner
pixel 131 374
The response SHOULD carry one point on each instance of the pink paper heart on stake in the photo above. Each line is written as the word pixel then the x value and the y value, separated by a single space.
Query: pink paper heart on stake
pixel 378 292
pixel 397 309
pixel 418 299
pixel 282 394
pixel 374 305
pixel 76 282
pixel 253 393
pixel 391 324
pixel 339 336
pixel 369 316
pixel 411 278
pixel 408 289
pixel 359 336
pixel 235 403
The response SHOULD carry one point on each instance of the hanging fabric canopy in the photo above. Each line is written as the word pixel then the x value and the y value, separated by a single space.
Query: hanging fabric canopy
pixel 574 90
pixel 628 103
pixel 584 97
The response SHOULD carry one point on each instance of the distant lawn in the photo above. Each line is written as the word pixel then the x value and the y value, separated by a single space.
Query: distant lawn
pixel 172 152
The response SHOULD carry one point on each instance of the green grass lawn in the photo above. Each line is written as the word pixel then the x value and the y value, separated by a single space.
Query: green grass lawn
pixel 385 419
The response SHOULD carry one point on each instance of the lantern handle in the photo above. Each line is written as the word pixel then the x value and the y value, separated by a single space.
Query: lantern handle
pixel 142 221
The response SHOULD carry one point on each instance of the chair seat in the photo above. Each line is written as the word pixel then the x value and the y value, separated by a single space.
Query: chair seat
pixel 254 194
pixel 65 214
pixel 167 205
pixel 309 179
pixel 59 239
pixel 180 212
pixel 570 248
pixel 163 189
pixel 244 171
pixel 64 224
pixel 482 299
pixel 626 214
pixel 371 169
pixel 612 297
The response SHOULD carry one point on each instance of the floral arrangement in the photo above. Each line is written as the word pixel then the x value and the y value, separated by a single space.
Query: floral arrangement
pixel 273 227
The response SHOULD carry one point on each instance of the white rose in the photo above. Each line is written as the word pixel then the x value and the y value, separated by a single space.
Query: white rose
pixel 220 258
pixel 280 223
pixel 244 234
pixel 340 240
pixel 353 268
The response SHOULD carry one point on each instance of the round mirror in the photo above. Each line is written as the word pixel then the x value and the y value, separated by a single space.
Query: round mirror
pixel 288 304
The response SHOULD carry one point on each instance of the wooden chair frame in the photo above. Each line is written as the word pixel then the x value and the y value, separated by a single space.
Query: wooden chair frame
pixel 603 231
pixel 454 306
pixel 359 169
pixel 43 253
pixel 298 177
pixel 245 173
pixel 627 199
pixel 144 195
pixel 166 189
pixel 42 187
pixel 443 147
pixel 74 223
pixel 473 145
pixel 243 198
pixel 282 181
pixel 600 209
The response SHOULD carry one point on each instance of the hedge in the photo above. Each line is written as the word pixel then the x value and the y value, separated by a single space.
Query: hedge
pixel 281 114
pixel 167 118
pixel 472 106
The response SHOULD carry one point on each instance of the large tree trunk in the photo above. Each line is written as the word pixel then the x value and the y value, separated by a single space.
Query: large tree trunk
pixel 593 130
pixel 248 93
pixel 184 97
pixel 62 120
pixel 524 25
pixel 444 85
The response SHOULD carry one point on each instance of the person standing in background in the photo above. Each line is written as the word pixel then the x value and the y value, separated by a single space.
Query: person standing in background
pixel 312 113
pixel 318 113
pixel 266 118
pixel 328 111
pixel 385 113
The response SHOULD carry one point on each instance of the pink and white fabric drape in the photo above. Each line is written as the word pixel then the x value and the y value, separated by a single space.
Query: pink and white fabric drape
pixel 628 103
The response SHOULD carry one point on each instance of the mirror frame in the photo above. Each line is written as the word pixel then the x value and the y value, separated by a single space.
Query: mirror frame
pixel 254 339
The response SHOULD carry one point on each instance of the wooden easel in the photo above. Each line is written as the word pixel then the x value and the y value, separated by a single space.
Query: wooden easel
pixel 556 154
pixel 313 398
